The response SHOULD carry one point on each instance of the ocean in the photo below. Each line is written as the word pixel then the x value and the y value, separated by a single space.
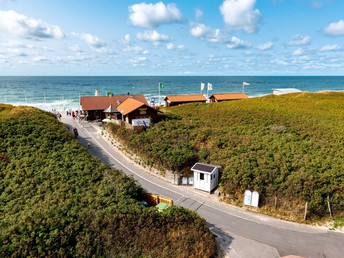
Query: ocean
pixel 63 92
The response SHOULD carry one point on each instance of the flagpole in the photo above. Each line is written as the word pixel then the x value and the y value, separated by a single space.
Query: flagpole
pixel 159 94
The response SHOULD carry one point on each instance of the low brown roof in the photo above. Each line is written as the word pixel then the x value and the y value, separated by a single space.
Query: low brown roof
pixel 102 102
pixel 185 98
pixel 129 105
pixel 229 96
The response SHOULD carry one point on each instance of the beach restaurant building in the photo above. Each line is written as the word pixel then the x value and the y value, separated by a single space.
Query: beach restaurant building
pixel 94 106
pixel 137 113
pixel 219 97
pixel 176 100
pixel 206 176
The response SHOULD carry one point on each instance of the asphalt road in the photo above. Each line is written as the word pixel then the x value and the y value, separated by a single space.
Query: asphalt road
pixel 240 233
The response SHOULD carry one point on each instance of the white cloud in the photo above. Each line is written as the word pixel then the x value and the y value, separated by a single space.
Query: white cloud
pixel 19 25
pixel 16 52
pixel 241 14
pixel 152 15
pixel 199 30
pixel 217 36
pixel 92 41
pixel 330 48
pixel 75 48
pixel 298 52
pixel 135 49
pixel 236 43
pixel 198 14
pixel 335 28
pixel 16 44
pixel 127 39
pixel 152 36
pixel 40 59
pixel 171 46
pixel 266 46
pixel 299 40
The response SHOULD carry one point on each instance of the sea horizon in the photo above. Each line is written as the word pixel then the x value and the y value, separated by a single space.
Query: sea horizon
pixel 63 92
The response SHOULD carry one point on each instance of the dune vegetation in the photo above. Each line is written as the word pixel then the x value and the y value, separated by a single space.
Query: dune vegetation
pixel 58 201
pixel 289 148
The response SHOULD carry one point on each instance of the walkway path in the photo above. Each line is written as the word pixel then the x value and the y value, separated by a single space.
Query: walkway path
pixel 240 233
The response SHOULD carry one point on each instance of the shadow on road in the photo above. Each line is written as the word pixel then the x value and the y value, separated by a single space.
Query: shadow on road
pixel 223 240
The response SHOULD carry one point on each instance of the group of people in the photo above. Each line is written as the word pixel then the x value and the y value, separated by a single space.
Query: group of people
pixel 74 113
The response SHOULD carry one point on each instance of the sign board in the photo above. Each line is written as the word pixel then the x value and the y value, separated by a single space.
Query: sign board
pixel 255 199
pixel 247 197
pixel 141 122
pixel 184 181
pixel 191 181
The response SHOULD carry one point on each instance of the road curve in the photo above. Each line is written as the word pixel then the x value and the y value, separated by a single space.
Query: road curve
pixel 240 233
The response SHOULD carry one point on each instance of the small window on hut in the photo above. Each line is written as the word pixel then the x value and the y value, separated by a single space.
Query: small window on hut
pixel 201 176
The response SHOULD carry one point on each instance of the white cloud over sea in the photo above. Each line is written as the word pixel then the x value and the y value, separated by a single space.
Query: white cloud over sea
pixel 152 36
pixel 241 14
pixel 19 25
pixel 148 15
pixel 335 28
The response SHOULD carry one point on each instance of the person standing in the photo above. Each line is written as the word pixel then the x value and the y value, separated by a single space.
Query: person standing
pixel 76 134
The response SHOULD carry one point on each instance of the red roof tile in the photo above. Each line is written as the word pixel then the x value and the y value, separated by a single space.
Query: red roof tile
pixel 185 98
pixel 229 96
pixel 102 102
pixel 129 105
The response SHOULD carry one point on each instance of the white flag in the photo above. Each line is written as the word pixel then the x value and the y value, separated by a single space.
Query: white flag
pixel 245 84
pixel 210 86
pixel 202 86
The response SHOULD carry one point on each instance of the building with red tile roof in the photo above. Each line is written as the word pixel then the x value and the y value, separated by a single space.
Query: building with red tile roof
pixel 94 106
pixel 218 97
pixel 175 100
pixel 135 112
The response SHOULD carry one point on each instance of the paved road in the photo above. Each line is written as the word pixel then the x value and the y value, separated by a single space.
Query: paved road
pixel 240 233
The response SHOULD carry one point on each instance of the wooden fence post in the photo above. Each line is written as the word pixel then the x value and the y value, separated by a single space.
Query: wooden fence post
pixel 329 206
pixel 305 216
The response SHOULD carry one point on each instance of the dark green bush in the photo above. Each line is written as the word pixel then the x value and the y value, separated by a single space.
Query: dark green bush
pixel 57 200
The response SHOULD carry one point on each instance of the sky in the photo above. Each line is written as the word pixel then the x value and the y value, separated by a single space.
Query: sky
pixel 180 37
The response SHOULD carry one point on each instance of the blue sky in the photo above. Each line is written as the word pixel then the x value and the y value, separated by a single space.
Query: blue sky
pixel 203 37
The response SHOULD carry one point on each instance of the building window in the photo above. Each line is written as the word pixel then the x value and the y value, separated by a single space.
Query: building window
pixel 201 176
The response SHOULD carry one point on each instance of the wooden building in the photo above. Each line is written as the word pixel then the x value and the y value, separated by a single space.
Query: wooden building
pixel 176 100
pixel 218 97
pixel 94 106
pixel 137 113
pixel 206 177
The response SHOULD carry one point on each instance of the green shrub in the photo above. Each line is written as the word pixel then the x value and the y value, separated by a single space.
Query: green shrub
pixel 57 200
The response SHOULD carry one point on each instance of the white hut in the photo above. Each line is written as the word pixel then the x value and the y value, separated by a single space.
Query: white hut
pixel 206 176
pixel 285 91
